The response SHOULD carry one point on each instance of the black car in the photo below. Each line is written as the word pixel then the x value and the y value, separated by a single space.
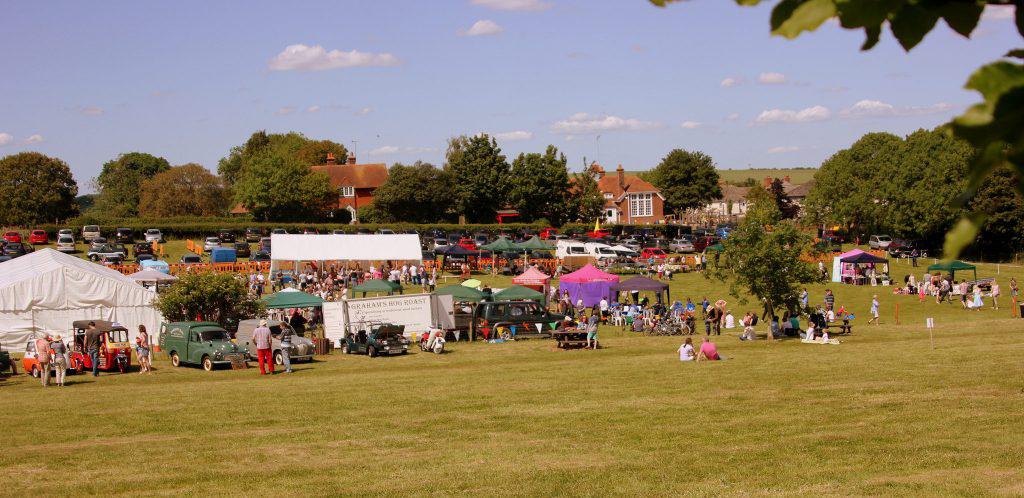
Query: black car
pixel 144 257
pixel 265 244
pixel 124 235
pixel 142 248
pixel 487 317
pixel 378 339
pixel 260 256
pixel 226 235
pixel 242 250
pixel 15 249
pixel 253 234
pixel 279 231
pixel 191 259
pixel 900 248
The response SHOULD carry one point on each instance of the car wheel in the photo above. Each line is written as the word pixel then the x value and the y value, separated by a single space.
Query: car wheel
pixel 278 358
pixel 372 352
pixel 207 364
pixel 175 359
pixel 35 372
pixel 345 349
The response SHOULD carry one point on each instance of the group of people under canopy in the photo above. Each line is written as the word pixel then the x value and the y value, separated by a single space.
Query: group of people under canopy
pixel 858 267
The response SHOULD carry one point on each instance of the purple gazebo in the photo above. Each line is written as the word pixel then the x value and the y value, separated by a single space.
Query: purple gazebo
pixel 587 283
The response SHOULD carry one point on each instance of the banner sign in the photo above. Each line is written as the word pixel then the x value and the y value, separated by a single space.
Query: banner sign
pixel 418 312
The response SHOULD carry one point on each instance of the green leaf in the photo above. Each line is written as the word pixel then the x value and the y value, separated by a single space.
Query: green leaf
pixel 1016 53
pixel 792 17
pixel 961 235
pixel 911 23
pixel 1019 5
pixel 872 34
pixel 865 14
pixel 962 16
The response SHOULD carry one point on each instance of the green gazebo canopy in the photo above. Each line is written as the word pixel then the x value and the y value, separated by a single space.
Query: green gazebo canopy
pixel 954 266
pixel 292 299
pixel 518 292
pixel 461 293
pixel 717 247
pixel 377 285
pixel 533 244
pixel 500 245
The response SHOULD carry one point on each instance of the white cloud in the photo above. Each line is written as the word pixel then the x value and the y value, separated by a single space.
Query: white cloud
pixel 782 150
pixel 91 110
pixel 998 12
pixel 391 149
pixel 6 138
pixel 729 82
pixel 690 125
pixel 313 108
pixel 810 114
pixel 34 139
pixel 301 57
pixel 772 78
pixel 582 122
pixel 364 111
pixel 509 136
pixel 734 116
pixel 383 151
pixel 284 111
pixel 876 109
pixel 520 5
pixel 483 27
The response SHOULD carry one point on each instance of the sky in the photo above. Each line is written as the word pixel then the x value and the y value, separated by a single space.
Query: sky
pixel 616 81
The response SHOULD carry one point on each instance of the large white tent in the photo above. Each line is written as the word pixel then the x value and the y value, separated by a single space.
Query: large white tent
pixel 44 291
pixel 314 247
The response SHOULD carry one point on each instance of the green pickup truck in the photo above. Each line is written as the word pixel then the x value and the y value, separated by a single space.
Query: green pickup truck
pixel 199 343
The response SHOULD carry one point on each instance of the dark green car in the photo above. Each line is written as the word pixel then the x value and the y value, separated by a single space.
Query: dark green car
pixel 5 360
pixel 199 343
pixel 377 339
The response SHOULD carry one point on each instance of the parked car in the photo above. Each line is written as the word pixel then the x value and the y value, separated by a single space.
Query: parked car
pixel 440 243
pixel 879 241
pixel 653 252
pixel 681 245
pixel 900 248
pixel 12 236
pixel 467 243
pixel 142 248
pixel 111 259
pixel 302 348
pixel 210 244
pixel 385 231
pixel 191 259
pixel 702 243
pixel 38 237
pixel 226 236
pixel 124 235
pixel 30 362
pixel 631 243
pixel 66 244
pixel 278 231
pixel 260 256
pixel 480 239
pixel 154 235
pixel 253 234
pixel 377 339
pixel 199 343
pixel 106 250
pixel 90 232
pixel 15 249
pixel 242 250
pixel 223 255
pixel 139 258
pixel 265 244
pixel 66 231
pixel 97 242
pixel 338 231
pixel 524 315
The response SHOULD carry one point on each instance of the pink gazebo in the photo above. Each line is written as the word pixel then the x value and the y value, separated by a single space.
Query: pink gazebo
pixel 588 283
pixel 534 279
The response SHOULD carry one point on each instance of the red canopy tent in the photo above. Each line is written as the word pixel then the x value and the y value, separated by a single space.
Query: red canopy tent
pixel 536 280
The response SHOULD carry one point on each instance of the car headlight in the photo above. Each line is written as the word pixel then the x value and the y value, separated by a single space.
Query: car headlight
pixel 217 355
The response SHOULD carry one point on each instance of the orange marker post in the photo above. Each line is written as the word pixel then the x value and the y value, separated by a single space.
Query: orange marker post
pixel 897 313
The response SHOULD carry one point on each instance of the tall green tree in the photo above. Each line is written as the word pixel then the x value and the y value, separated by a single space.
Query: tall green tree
pixel 216 297
pixel 419 193
pixel 585 198
pixel 187 190
pixel 307 151
pixel 277 186
pixel 539 186
pixel 687 179
pixel 787 208
pixel 478 172
pixel 762 256
pixel 35 188
pixel 120 181
pixel 995 126
pixel 1002 233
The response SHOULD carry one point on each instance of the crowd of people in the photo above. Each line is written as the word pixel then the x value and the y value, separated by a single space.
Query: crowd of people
pixel 970 295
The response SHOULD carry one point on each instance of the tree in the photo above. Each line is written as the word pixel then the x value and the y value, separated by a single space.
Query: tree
pixel 687 180
pixel 305 150
pixel 215 297
pixel 1001 203
pixel 585 199
pixel 35 188
pixel 994 126
pixel 539 187
pixel 762 256
pixel 120 180
pixel 477 170
pixel 787 208
pixel 277 186
pixel 188 190
pixel 419 194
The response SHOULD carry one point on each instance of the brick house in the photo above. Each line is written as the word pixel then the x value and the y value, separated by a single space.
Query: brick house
pixel 628 198
pixel 355 183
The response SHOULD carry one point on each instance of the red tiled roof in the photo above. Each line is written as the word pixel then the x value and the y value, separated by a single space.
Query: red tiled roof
pixel 355 175
pixel 631 184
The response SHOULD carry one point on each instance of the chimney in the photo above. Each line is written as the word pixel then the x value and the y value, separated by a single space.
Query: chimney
pixel 331 159
pixel 622 177
pixel 351 158
pixel 786 179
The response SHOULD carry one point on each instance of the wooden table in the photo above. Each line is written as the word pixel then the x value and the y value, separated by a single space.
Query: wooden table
pixel 570 338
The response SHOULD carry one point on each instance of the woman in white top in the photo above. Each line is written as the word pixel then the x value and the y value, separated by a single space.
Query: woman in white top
pixel 686 350
pixel 995 295
pixel 730 321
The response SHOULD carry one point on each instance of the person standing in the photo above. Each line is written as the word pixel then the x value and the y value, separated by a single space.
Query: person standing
pixel 286 348
pixel 92 347
pixel 60 359
pixel 142 351
pixel 995 295
pixel 913 257
pixel 1013 287
pixel 262 338
pixel 805 299
pixel 592 330
pixel 874 310
pixel 43 358
pixel 298 322
pixel 830 299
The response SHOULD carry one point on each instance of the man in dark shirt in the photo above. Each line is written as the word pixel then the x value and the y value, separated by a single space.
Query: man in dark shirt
pixel 92 346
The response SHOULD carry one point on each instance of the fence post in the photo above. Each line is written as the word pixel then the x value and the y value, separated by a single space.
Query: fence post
pixel 897 313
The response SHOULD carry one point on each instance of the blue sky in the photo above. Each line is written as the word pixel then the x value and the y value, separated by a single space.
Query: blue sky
pixel 187 80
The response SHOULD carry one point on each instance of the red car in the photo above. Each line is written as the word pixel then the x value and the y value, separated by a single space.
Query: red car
pixel 467 243
pixel 38 237
pixel 12 236
pixel 653 252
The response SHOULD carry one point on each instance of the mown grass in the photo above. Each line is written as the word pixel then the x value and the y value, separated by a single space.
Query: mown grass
pixel 882 413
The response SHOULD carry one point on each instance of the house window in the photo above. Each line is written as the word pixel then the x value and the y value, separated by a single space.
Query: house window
pixel 348 191
pixel 641 205
pixel 608 196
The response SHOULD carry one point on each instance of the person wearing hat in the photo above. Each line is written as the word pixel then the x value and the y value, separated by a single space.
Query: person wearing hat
pixel 262 338
pixel 60 359
pixel 43 358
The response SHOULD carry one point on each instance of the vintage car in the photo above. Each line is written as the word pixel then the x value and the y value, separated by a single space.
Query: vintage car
pixel 302 348
pixel 376 339
pixel 115 351
pixel 30 364
pixel 519 318
pixel 199 343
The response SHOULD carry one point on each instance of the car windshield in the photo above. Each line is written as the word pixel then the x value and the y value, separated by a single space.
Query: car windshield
pixel 152 231
pixel 192 259
pixel 213 335
pixel 884 238
pixel 117 335
pixel 65 240
pixel 92 228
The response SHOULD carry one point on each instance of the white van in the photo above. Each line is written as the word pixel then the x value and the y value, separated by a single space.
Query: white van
pixel 600 251
pixel 564 248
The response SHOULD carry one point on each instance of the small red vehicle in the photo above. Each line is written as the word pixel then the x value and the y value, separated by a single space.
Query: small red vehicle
pixel 115 349
pixel 30 364
pixel 12 236
pixel 38 237
pixel 653 252
pixel 548 233
pixel 467 243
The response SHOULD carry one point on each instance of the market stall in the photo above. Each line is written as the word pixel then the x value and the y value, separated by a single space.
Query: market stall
pixel 376 286
pixel 640 284
pixel 588 284
pixel 535 279
pixel 954 266
pixel 292 298
pixel 518 293
pixel 857 267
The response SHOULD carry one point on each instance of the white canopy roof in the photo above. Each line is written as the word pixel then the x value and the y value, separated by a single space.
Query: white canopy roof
pixel 152 276
pixel 314 247
pixel 46 290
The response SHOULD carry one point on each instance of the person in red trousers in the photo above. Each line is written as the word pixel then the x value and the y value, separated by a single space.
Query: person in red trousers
pixel 261 336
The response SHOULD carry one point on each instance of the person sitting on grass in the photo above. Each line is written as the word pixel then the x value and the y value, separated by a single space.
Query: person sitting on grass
pixel 686 352
pixel 748 328
pixel 708 351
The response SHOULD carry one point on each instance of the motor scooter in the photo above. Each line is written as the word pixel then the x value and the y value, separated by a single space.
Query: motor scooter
pixel 433 342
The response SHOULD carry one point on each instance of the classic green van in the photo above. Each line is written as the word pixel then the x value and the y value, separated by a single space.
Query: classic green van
pixel 199 343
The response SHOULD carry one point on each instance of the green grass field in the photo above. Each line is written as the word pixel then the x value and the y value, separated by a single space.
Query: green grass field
pixel 885 412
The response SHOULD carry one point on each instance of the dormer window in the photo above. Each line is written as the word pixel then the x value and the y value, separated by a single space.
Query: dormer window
pixel 608 196
pixel 348 191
